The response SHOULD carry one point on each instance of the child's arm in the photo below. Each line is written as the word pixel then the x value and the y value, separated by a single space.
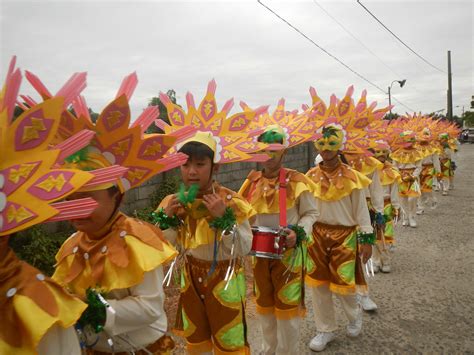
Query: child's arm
pixel 143 307
pixel 394 198
pixel 376 192
pixel 307 211
pixel 242 240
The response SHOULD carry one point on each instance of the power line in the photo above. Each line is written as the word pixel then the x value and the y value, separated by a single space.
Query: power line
pixel 394 35
pixel 358 40
pixel 329 54
pixel 354 37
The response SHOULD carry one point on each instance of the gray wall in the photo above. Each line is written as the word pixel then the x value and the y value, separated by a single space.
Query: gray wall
pixel 299 158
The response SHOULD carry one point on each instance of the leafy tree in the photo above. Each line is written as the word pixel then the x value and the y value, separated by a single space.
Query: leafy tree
pixel 469 118
pixel 391 116
pixel 155 101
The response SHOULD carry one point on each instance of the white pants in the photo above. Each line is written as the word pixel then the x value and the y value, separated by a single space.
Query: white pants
pixel 380 254
pixel 323 306
pixel 445 182
pixel 279 336
pixel 408 206
pixel 426 199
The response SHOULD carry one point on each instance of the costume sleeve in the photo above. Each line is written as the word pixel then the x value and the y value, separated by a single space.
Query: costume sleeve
pixel 394 199
pixel 59 340
pixel 171 235
pixel 376 192
pixel 143 307
pixel 418 167
pixel 307 211
pixel 243 240
pixel 436 164
pixel 360 211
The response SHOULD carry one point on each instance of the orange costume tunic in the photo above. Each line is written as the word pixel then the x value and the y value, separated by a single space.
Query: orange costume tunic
pixel 124 261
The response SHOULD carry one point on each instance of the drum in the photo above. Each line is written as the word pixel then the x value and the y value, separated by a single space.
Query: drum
pixel 267 243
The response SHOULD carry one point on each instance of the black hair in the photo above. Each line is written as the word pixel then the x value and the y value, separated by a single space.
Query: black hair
pixel 197 150
pixel 114 191
pixel 343 158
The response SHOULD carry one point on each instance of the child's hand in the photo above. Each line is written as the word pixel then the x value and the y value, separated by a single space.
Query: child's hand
pixel 173 206
pixel 215 205
pixel 290 239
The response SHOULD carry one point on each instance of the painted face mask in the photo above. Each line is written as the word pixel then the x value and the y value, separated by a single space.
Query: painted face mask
pixel 274 154
pixel 381 153
pixel 408 138
pixel 332 139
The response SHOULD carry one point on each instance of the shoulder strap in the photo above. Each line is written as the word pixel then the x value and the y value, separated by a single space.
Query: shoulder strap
pixel 282 197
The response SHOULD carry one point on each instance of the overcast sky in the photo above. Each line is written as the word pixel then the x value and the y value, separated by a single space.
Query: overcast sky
pixel 252 54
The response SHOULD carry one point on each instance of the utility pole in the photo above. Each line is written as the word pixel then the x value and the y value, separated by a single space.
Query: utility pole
pixel 450 89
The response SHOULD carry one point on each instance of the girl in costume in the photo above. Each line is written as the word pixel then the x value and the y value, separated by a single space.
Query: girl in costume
pixel 279 283
pixel 209 224
pixel 342 235
pixel 37 314
pixel 114 261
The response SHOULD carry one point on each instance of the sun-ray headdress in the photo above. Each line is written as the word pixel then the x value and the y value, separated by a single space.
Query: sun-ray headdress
pixel 350 118
pixel 30 180
pixel 293 127
pixel 116 141
pixel 228 137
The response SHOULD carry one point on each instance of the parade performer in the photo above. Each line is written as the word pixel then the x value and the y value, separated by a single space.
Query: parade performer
pixel 210 225
pixel 279 279
pixel 389 179
pixel 343 235
pixel 37 314
pixel 447 157
pixel 408 161
pixel 113 261
pixel 430 166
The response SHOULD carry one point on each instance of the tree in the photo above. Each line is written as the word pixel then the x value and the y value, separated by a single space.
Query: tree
pixel 391 116
pixel 469 118
pixel 155 101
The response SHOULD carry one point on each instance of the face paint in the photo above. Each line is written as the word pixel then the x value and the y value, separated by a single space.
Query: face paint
pixel 332 142
pixel 274 154
pixel 381 153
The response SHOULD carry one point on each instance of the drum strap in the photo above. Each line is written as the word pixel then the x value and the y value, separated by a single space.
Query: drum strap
pixel 282 198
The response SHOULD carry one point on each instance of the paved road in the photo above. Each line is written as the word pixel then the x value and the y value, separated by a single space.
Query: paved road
pixel 426 305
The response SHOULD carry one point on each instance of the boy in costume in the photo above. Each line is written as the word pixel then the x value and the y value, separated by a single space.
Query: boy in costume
pixel 343 234
pixel 408 162
pixel 209 224
pixel 114 261
pixel 37 314
pixel 343 227
pixel 389 179
pixel 360 159
pixel 446 157
pixel 279 283
pixel 430 166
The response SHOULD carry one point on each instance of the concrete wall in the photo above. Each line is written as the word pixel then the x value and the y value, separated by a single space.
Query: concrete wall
pixel 299 158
